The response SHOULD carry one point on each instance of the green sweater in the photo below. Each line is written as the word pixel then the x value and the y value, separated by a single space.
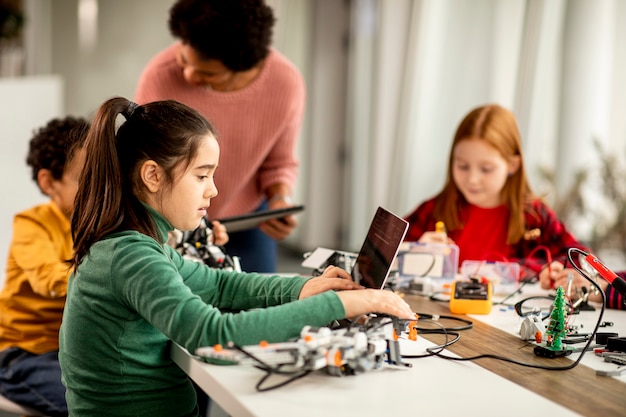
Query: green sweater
pixel 131 295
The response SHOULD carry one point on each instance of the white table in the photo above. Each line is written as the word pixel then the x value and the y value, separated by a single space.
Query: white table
pixel 431 387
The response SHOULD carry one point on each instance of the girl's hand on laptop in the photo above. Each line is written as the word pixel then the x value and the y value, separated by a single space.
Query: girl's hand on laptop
pixel 333 278
pixel 336 272
pixel 368 301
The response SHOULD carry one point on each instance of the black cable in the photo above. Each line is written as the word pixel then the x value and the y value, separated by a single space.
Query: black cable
pixel 435 297
pixel 432 263
pixel 296 373
pixel 523 282
pixel 270 371
pixel 441 330
pixel 517 291
pixel 519 304
pixel 530 365
pixel 468 324
pixel 280 384
pixel 251 356
pixel 437 350
pixel 262 365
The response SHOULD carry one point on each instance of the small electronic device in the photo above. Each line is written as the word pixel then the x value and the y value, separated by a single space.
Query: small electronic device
pixel 379 250
pixel 252 220
pixel 616 344
pixel 530 326
pixel 372 264
pixel 546 352
pixel 504 276
pixel 427 267
pixel 361 348
pixel 197 245
pixel 320 258
pixel 611 277
pixel 471 297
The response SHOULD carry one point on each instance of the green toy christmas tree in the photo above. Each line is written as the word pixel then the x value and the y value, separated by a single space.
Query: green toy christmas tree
pixel 556 330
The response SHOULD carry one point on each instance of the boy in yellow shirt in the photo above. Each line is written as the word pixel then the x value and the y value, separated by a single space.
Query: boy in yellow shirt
pixel 33 297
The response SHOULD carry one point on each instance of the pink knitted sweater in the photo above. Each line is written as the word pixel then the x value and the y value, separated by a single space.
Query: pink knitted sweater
pixel 257 126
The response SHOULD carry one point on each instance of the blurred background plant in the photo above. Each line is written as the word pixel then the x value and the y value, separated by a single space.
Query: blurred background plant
pixel 11 20
pixel 11 49
pixel 594 207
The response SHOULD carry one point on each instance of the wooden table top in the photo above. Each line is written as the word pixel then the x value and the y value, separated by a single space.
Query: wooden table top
pixel 578 389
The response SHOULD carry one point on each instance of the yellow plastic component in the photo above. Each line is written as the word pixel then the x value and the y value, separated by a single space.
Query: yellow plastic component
pixel 475 299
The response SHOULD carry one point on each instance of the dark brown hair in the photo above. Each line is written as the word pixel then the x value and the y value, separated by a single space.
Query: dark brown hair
pixel 236 32
pixel 53 146
pixel 496 126
pixel 110 190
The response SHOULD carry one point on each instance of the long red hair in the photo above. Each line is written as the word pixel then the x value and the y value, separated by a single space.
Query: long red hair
pixel 496 126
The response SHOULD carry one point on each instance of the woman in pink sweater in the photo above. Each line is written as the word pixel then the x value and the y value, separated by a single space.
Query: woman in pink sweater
pixel 224 67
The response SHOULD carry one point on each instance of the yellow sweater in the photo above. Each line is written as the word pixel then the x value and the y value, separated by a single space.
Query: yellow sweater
pixel 33 297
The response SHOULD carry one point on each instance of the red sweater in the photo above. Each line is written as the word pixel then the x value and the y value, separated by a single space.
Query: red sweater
pixel 257 126
pixel 544 228
pixel 483 237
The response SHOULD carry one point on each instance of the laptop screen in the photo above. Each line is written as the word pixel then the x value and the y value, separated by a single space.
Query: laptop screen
pixel 376 257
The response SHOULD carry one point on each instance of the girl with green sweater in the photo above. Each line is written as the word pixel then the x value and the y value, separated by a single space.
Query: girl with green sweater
pixel 131 294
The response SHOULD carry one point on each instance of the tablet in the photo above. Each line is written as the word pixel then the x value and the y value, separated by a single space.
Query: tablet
pixel 251 220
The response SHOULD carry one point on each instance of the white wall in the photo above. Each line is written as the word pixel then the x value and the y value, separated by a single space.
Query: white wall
pixel 25 104
pixel 128 34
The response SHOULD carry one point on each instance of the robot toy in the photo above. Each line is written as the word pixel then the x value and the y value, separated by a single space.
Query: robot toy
pixel 343 351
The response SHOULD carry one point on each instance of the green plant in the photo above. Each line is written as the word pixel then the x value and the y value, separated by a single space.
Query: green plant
pixel 11 21
pixel 597 195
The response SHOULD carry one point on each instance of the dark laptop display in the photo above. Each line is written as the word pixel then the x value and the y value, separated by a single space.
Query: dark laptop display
pixel 381 245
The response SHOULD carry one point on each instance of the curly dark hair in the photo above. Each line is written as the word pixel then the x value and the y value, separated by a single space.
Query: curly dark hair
pixel 236 32
pixel 54 144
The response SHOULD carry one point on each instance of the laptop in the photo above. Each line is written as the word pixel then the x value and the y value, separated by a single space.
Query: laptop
pixel 372 265
pixel 379 250
pixel 377 255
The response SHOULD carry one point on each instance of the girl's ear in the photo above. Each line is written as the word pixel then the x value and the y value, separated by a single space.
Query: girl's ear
pixel 152 176
pixel 44 180
pixel 514 164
